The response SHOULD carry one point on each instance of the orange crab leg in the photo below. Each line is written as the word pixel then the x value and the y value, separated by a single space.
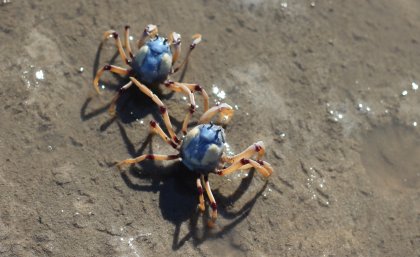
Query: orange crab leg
pixel 262 167
pixel 213 203
pixel 111 68
pixel 111 109
pixel 179 87
pixel 189 89
pixel 174 39
pixel 196 40
pixel 162 107
pixel 149 31
pixel 154 127
pixel 225 111
pixel 143 157
pixel 258 148
pixel 201 205
pixel 114 34
pixel 127 41
pixel 197 88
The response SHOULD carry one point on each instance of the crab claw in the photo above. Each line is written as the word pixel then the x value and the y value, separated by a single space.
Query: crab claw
pixel 196 40
pixel 226 113
pixel 174 38
pixel 175 41
pixel 150 27
pixel 224 110
pixel 151 30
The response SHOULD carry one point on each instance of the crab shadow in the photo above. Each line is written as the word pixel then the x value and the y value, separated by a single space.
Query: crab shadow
pixel 178 196
pixel 132 104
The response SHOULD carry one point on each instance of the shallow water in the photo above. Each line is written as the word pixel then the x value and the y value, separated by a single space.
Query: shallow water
pixel 391 157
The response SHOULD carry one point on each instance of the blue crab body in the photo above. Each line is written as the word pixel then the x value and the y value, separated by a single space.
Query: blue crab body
pixel 203 147
pixel 153 62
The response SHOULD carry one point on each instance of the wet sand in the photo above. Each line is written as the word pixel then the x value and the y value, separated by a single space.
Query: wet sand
pixel 329 86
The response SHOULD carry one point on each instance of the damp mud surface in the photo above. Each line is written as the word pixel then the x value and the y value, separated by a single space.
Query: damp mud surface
pixel 391 157
pixel 331 87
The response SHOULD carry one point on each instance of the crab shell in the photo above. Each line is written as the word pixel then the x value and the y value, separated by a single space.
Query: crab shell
pixel 203 147
pixel 153 62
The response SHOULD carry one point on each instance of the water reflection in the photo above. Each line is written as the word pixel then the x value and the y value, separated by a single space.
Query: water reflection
pixel 414 86
pixel 32 76
pixel 218 93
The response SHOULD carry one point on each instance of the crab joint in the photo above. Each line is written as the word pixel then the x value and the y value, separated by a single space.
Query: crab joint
pixel 244 161
pixel 192 108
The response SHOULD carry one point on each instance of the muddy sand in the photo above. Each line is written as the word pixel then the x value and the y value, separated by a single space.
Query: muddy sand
pixel 331 87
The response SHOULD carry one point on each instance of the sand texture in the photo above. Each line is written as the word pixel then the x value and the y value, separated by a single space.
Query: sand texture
pixel 331 87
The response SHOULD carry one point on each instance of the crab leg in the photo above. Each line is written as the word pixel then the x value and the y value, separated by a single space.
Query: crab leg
pixel 225 111
pixel 163 110
pixel 143 157
pixel 189 89
pixel 197 88
pixel 149 31
pixel 154 127
pixel 114 34
pixel 127 41
pixel 111 108
pixel 213 203
pixel 111 68
pixel 258 148
pixel 201 205
pixel 178 87
pixel 196 40
pixel 174 39
pixel 262 167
